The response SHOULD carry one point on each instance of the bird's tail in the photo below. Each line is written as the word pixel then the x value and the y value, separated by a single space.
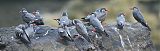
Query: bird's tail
pixel 119 26
pixel 106 33
pixel 86 37
pixel 144 24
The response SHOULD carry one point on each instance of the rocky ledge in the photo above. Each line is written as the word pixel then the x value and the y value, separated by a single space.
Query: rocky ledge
pixel 134 37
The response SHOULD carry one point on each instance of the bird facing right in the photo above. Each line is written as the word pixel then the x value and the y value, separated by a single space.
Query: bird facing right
pixel 101 14
pixel 26 16
pixel 139 17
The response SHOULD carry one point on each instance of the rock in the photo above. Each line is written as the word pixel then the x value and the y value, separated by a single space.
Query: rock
pixel 134 37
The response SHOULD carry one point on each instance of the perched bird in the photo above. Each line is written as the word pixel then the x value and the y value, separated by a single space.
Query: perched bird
pixel 64 20
pixel 120 21
pixel 93 20
pixel 22 35
pixel 26 16
pixel 139 17
pixel 38 20
pixel 101 14
pixel 81 29
pixel 65 34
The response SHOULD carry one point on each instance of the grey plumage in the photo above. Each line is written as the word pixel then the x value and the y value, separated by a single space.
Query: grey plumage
pixel 65 34
pixel 64 20
pixel 37 14
pixel 38 20
pixel 101 14
pixel 81 29
pixel 120 21
pixel 139 17
pixel 93 20
pixel 22 35
pixel 26 16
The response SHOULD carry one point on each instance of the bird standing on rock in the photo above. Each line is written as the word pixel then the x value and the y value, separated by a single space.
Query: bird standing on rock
pixel 64 20
pixel 101 14
pixel 63 34
pixel 22 35
pixel 120 21
pixel 38 19
pixel 81 29
pixel 139 17
pixel 26 16
pixel 93 20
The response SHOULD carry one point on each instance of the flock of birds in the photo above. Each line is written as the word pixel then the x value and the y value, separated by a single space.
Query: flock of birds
pixel 94 19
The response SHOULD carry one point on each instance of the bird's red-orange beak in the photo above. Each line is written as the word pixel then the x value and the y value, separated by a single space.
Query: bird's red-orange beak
pixel 106 9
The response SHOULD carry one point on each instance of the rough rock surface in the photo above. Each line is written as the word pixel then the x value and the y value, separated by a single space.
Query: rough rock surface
pixel 134 37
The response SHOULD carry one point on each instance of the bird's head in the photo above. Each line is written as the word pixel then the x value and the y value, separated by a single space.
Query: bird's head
pixel 103 10
pixel 134 8
pixel 23 28
pixel 93 14
pixel 23 10
pixel 36 12
pixel 75 21
pixel 64 14
pixel 121 14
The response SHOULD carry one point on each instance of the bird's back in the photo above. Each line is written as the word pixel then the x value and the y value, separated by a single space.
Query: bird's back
pixel 138 16
pixel 96 23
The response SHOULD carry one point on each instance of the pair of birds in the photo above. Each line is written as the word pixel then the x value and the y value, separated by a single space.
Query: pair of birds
pixel 32 20
pixel 65 23
pixel 136 14
pixel 95 19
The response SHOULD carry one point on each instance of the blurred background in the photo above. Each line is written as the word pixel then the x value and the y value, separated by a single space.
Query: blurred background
pixel 50 9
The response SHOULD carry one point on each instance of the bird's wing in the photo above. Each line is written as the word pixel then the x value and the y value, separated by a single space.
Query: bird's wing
pixel 138 16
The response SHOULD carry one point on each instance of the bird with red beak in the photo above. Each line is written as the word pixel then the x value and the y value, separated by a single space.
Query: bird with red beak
pixel 101 14
pixel 93 20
